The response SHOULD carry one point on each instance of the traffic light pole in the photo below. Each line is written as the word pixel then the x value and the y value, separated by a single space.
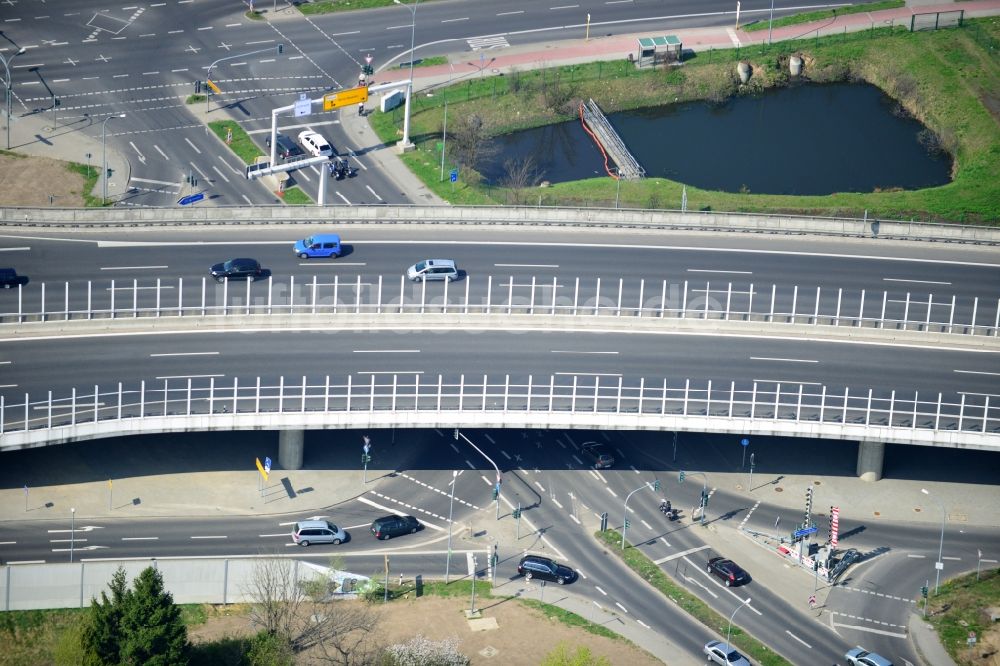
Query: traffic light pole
pixel 496 488
pixel 703 504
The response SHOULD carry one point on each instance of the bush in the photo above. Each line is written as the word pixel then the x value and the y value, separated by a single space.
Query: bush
pixel 421 651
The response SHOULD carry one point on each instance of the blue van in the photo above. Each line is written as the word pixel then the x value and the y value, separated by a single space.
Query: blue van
pixel 320 245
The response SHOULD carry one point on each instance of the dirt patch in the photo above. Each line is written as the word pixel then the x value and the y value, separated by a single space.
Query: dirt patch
pixel 29 181
pixel 523 635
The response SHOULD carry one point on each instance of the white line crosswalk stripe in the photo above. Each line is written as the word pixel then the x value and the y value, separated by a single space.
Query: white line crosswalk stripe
pixel 480 43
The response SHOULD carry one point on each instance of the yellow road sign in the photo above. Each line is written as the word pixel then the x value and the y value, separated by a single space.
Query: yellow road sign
pixel 260 468
pixel 346 97
pixel 211 84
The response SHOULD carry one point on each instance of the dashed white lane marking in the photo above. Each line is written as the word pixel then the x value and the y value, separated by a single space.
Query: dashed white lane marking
pixel 160 152
pixel 367 501
pixel 247 199
pixel 540 486
pixel 620 606
pixel 192 145
pixel 221 175
pixel 598 588
pixel 643 624
pixel 749 513
pixel 374 194
pixel 345 199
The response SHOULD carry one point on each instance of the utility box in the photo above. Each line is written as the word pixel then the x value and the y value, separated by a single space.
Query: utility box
pixel 391 100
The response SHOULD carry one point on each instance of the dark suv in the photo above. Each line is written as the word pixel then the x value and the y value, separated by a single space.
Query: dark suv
pixel 9 278
pixel 542 568
pixel 598 455
pixel 285 148
pixel 390 526
pixel 236 269
pixel 727 570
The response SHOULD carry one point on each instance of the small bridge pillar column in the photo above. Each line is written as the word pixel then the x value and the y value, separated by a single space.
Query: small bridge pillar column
pixel 291 446
pixel 870 458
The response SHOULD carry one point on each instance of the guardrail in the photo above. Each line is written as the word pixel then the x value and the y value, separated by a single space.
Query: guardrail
pixel 409 400
pixel 131 299
pixel 861 227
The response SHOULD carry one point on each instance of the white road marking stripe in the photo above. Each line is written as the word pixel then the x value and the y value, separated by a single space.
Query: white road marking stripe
pixel 188 376
pixel 798 639
pixel 783 360
pixel 129 268
pixel 215 353
pixel 570 351
pixel 709 270
pixel 386 351
pixel 917 281
pixel 669 558
pixel 140 538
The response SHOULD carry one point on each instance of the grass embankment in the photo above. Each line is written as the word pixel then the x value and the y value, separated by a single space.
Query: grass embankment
pixel 247 150
pixel 331 6
pixel 946 79
pixel 964 605
pixel 52 636
pixel 689 603
pixel 90 176
pixel 823 15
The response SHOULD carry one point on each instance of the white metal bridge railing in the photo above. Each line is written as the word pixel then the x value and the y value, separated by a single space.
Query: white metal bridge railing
pixel 804 404
pixel 718 300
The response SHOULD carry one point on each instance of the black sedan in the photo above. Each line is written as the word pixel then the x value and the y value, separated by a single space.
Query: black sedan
pixel 237 269
pixel 728 571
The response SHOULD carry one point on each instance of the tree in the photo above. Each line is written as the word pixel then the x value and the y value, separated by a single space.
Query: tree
pixel 520 175
pixel 102 632
pixel 469 141
pixel 138 626
pixel 152 631
pixel 298 613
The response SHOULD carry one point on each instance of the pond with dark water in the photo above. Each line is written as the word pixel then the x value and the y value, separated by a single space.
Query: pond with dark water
pixel 801 140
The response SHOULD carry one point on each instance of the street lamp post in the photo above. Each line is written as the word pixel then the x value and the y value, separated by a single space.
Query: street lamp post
pixel 444 139
pixel 654 486
pixel 939 564
pixel 409 92
pixel 770 23
pixel 104 153
pixel 618 188
pixel 8 85
pixel 729 630
pixel 72 531
pixel 451 506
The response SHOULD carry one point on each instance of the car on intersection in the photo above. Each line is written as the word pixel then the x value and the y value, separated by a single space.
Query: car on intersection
pixel 315 144
pixel 727 571
pixel 721 653
pixel 543 568
pixel 597 455
pixel 861 657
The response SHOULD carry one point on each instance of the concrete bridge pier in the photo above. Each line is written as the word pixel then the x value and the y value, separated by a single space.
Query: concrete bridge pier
pixel 291 446
pixel 870 458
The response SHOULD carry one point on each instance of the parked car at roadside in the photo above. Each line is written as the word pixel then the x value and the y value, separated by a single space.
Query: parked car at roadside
pixel 285 148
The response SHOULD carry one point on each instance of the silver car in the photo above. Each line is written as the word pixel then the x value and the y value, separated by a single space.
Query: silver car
pixel 725 655
pixel 433 269
pixel 306 532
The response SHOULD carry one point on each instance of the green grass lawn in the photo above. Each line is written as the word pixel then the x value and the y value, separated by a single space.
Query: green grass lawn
pixel 242 144
pixel 961 607
pixel 946 79
pixel 294 196
pixel 823 15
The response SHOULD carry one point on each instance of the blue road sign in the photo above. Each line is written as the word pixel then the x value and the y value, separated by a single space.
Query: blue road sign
pixel 267 465
pixel 744 442
pixel 191 198
pixel 454 175
pixel 804 531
